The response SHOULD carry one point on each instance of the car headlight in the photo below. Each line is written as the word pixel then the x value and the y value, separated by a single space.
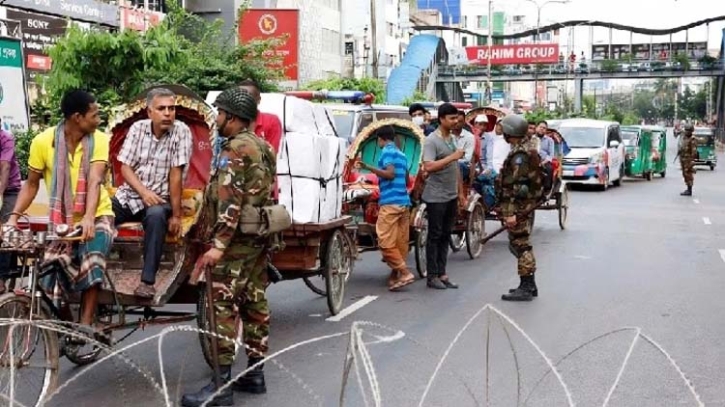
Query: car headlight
pixel 596 158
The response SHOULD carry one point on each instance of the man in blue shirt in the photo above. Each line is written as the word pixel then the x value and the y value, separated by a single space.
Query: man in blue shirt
pixel 393 225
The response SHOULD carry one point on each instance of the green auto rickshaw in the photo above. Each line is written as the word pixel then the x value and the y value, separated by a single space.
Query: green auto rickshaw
pixel 659 150
pixel 637 151
pixel 706 154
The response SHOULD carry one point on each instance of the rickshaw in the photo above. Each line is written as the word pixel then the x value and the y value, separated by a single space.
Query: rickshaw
pixel 706 155
pixel 361 193
pixel 311 249
pixel 637 151
pixel 659 150
pixel 557 198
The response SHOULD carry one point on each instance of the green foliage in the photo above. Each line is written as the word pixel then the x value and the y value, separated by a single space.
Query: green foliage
pixel 22 150
pixel 683 60
pixel 418 96
pixel 367 85
pixel 183 49
pixel 610 65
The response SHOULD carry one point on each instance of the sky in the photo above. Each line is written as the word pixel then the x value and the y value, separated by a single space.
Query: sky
pixel 642 13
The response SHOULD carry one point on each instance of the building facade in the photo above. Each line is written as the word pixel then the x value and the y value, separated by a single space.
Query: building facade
pixel 392 26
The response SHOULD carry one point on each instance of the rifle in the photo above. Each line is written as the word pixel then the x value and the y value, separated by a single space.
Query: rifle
pixel 519 218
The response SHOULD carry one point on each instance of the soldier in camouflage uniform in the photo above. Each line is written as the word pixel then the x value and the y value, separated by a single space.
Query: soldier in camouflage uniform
pixel 244 176
pixel 519 188
pixel 687 150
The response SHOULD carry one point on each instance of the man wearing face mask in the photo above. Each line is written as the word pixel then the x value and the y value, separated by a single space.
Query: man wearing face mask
pixel 418 115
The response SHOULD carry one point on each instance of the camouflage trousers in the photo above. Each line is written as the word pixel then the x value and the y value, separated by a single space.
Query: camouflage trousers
pixel 688 171
pixel 239 290
pixel 520 247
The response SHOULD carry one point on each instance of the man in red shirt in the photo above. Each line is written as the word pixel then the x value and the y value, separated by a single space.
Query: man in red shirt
pixel 268 127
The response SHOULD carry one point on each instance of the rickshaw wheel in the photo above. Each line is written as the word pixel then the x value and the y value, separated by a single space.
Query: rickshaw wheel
pixel 202 322
pixel 337 267
pixel 321 291
pixel 51 351
pixel 421 237
pixel 457 242
pixel 562 205
pixel 475 231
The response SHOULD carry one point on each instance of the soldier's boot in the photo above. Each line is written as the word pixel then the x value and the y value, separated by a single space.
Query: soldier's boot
pixel 534 290
pixel 253 381
pixel 687 192
pixel 224 398
pixel 525 292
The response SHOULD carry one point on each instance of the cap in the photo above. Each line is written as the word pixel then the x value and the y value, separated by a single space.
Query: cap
pixel 481 118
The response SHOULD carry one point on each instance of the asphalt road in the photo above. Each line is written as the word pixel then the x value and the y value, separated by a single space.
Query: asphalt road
pixel 637 256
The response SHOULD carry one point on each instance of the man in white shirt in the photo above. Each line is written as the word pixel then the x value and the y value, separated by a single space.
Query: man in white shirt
pixel 494 152
pixel 464 141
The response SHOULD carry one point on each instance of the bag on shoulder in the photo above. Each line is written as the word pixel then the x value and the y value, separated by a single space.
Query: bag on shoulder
pixel 264 221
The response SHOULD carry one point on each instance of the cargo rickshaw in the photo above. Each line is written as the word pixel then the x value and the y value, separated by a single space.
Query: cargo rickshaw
pixel 361 191
pixel 324 249
pixel 637 152
pixel 706 154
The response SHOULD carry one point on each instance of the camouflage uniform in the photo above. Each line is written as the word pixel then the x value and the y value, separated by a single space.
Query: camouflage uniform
pixel 519 187
pixel 688 154
pixel 244 175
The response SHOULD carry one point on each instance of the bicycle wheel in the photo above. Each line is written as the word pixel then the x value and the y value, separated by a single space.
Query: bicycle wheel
pixel 32 367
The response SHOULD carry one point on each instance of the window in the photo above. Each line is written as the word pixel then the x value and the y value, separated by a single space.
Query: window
pixel 365 120
pixel 465 22
pixel 613 135
pixel 482 22
pixel 481 41
pixel 391 29
pixel 464 41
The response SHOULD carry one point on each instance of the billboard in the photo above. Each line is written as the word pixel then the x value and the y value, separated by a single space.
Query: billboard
pixel 83 10
pixel 261 24
pixel 649 52
pixel 514 54
pixel 13 99
pixel 39 32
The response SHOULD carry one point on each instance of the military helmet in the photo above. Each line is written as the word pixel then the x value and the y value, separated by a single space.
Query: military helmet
pixel 237 102
pixel 689 127
pixel 515 126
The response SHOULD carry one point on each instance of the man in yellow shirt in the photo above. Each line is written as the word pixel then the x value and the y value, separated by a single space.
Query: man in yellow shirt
pixel 72 159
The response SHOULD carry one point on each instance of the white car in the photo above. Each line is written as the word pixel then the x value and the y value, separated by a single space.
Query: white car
pixel 597 153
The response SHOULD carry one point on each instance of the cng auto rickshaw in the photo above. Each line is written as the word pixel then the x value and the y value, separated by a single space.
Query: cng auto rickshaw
pixel 659 150
pixel 706 155
pixel 637 151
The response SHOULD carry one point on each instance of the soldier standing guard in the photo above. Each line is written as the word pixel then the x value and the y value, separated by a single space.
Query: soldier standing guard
pixel 519 189
pixel 687 150
pixel 244 175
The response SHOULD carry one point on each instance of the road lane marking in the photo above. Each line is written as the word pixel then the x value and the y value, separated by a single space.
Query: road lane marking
pixel 697 201
pixel 352 308
pixel 707 221
pixel 722 254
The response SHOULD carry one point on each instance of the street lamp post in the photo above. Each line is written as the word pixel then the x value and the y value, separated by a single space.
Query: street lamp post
pixel 489 85
pixel 538 37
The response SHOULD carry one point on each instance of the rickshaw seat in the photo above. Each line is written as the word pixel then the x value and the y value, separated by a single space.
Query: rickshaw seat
pixel 190 205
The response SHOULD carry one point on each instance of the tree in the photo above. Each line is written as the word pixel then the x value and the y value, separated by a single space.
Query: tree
pixel 183 49
pixel 367 85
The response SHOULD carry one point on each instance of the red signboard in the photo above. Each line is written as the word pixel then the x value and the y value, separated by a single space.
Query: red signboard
pixel 138 19
pixel 514 54
pixel 256 24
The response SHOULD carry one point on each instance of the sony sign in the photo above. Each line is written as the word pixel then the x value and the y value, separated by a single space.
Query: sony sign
pixel 82 10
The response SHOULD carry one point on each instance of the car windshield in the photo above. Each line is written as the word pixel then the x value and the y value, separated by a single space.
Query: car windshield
pixel 629 137
pixel 583 137
pixel 344 123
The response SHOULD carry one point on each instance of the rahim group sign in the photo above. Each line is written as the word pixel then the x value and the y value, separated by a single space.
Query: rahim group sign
pixel 514 54
pixel 263 24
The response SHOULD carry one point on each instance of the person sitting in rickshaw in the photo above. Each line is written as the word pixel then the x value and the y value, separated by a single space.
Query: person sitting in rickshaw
pixel 479 125
pixel 494 152
pixel 546 152
pixel 464 141
pixel 154 159
pixel 72 158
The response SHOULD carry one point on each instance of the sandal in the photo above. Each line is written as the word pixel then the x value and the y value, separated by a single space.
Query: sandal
pixel 408 279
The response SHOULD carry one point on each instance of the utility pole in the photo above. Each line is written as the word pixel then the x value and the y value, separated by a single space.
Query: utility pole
pixel 489 85
pixel 374 42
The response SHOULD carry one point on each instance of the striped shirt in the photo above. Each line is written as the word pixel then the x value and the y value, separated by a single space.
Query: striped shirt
pixel 395 191
pixel 152 160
